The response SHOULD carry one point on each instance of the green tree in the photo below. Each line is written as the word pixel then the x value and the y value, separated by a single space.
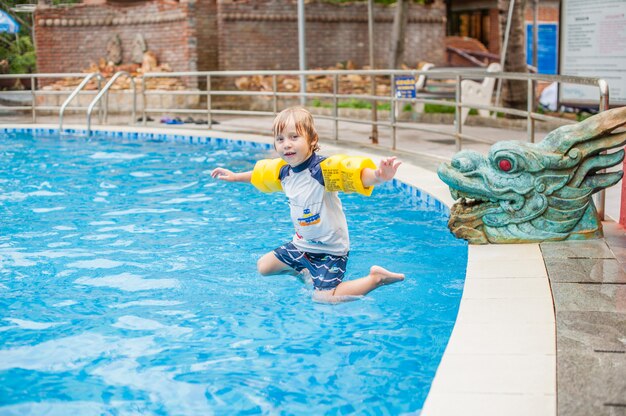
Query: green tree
pixel 18 52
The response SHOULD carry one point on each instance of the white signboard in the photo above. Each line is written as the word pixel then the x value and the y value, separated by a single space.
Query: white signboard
pixel 593 44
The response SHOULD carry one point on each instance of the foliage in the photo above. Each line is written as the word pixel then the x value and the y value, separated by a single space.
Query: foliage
pixel 583 115
pixel 363 104
pixel 20 53
pixel 437 108
pixel 61 2
pixel 351 103
pixel 359 104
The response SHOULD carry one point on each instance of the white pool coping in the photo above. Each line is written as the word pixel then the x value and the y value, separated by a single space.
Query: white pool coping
pixel 501 356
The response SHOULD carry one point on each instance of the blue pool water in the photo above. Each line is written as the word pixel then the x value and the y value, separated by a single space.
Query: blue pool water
pixel 128 286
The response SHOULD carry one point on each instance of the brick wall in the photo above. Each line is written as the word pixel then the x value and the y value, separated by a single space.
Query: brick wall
pixel 203 15
pixel 203 35
pixel 263 34
pixel 548 11
pixel 494 31
pixel 68 39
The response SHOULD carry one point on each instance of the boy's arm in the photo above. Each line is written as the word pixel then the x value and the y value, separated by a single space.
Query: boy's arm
pixel 385 172
pixel 230 176
pixel 265 176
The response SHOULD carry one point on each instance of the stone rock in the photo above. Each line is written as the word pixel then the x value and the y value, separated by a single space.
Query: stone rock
pixel 114 50
pixel 149 62
pixel 139 48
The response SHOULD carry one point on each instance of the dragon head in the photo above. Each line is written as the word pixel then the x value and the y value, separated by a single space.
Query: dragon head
pixel 525 192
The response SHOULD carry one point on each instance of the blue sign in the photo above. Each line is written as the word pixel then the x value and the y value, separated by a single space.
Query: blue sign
pixel 405 86
pixel 547 45
pixel 7 24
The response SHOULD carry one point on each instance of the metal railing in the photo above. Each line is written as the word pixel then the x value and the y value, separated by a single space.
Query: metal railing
pixel 437 98
pixel 74 93
pixel 333 97
pixel 33 92
pixel 29 98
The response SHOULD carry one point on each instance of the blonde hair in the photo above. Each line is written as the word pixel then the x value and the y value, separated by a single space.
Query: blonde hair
pixel 302 119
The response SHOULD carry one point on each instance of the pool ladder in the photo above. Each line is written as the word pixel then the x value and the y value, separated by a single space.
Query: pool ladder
pixel 101 93
pixel 75 93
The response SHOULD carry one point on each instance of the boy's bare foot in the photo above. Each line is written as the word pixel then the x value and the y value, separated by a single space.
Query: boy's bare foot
pixel 385 277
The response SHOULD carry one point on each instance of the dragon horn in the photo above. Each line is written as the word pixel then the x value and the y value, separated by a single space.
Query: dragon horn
pixel 597 145
pixel 594 164
pixel 563 138
pixel 602 180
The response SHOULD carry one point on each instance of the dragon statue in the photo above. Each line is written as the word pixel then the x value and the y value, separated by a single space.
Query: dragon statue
pixel 525 192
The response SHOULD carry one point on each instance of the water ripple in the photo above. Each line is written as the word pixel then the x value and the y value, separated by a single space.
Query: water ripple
pixel 129 282
pixel 134 211
pixel 116 156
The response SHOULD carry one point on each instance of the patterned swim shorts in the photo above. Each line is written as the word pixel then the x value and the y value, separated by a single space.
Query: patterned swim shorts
pixel 326 270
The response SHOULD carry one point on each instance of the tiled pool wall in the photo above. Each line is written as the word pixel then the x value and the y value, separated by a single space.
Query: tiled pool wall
pixel 417 196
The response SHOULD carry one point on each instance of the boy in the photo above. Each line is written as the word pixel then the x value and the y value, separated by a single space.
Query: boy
pixel 320 244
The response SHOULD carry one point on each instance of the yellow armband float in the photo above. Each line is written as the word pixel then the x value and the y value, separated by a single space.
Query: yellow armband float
pixel 343 173
pixel 265 175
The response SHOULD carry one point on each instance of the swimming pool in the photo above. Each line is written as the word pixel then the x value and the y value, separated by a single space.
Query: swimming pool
pixel 128 284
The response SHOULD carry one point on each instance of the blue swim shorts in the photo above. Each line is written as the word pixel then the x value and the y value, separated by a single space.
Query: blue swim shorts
pixel 326 270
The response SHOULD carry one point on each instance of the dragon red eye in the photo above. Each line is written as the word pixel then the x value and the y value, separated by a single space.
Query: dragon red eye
pixel 505 165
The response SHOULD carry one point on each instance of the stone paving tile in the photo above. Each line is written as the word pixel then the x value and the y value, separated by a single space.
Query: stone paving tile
pixel 590 383
pixel 620 254
pixel 589 297
pixel 590 249
pixel 592 331
pixel 605 270
pixel 588 283
pixel 617 410
pixel 614 234
pixel 564 270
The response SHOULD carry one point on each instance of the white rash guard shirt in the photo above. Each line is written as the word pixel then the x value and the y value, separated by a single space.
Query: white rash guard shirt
pixel 317 214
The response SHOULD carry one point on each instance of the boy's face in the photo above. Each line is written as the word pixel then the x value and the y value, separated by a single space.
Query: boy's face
pixel 292 148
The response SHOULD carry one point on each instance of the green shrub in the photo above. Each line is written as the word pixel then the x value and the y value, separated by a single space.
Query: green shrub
pixel 438 108
pixel 354 103
pixel 351 103
pixel 384 106
pixel 20 54
pixel 445 109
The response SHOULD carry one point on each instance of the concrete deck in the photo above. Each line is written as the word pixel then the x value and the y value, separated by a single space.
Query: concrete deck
pixel 510 353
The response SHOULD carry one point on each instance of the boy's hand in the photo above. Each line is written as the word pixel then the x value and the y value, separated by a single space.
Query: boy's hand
pixel 387 169
pixel 223 174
